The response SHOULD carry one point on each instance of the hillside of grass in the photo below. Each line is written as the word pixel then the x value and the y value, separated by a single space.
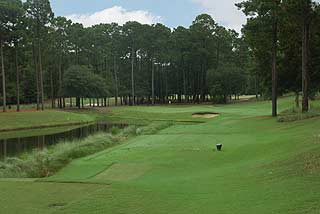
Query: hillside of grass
pixel 265 167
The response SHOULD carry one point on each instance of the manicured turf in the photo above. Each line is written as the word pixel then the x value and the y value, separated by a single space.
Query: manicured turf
pixel 22 120
pixel 35 132
pixel 265 167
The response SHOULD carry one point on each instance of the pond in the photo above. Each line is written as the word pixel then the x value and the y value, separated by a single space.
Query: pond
pixel 13 147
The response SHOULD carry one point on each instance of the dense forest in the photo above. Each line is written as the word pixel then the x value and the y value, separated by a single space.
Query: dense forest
pixel 44 57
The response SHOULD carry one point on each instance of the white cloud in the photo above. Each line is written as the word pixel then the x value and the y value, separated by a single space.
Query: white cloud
pixel 224 12
pixel 115 14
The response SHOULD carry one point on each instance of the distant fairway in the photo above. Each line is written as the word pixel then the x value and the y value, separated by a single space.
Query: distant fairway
pixel 265 167
pixel 13 121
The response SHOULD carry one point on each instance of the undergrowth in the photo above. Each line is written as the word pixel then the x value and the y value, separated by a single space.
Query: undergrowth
pixel 294 114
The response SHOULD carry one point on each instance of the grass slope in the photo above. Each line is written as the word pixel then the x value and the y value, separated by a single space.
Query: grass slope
pixel 25 120
pixel 265 167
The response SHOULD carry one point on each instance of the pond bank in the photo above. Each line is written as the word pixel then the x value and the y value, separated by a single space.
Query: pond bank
pixel 15 145
pixel 48 161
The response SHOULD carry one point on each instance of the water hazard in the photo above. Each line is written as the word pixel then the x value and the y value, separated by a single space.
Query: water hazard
pixel 13 147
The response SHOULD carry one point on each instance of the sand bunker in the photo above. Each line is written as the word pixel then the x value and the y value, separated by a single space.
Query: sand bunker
pixel 207 115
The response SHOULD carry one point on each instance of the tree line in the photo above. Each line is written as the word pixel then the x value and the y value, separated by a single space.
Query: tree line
pixel 284 38
pixel 44 57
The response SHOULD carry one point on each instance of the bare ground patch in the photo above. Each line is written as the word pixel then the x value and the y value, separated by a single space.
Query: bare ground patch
pixel 206 115
pixel 124 172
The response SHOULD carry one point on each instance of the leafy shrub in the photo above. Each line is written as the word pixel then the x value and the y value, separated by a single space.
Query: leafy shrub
pixel 115 130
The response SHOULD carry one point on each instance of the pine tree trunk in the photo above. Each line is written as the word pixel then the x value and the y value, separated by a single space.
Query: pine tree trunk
pixel 305 64
pixel 78 102
pixel 38 89
pixel 132 76
pixel 37 74
pixel 152 83
pixel 274 70
pixel 184 85
pixel 60 79
pixel 3 78
pixel 116 81
pixel 17 81
pixel 52 89
pixel 41 76
pixel 256 86
pixel 60 102
pixel 166 71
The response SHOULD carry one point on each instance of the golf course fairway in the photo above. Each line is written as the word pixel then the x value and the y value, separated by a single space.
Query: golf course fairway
pixel 264 167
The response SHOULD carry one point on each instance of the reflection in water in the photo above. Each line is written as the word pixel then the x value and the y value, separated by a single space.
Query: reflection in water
pixel 17 146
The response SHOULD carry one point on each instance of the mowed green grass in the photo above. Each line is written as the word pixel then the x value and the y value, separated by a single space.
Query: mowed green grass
pixel 183 113
pixel 24 120
pixel 265 167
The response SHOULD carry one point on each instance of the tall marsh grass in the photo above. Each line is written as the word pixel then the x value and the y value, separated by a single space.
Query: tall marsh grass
pixel 46 162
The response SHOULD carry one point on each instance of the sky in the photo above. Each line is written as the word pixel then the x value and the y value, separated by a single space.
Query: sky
pixel 172 13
